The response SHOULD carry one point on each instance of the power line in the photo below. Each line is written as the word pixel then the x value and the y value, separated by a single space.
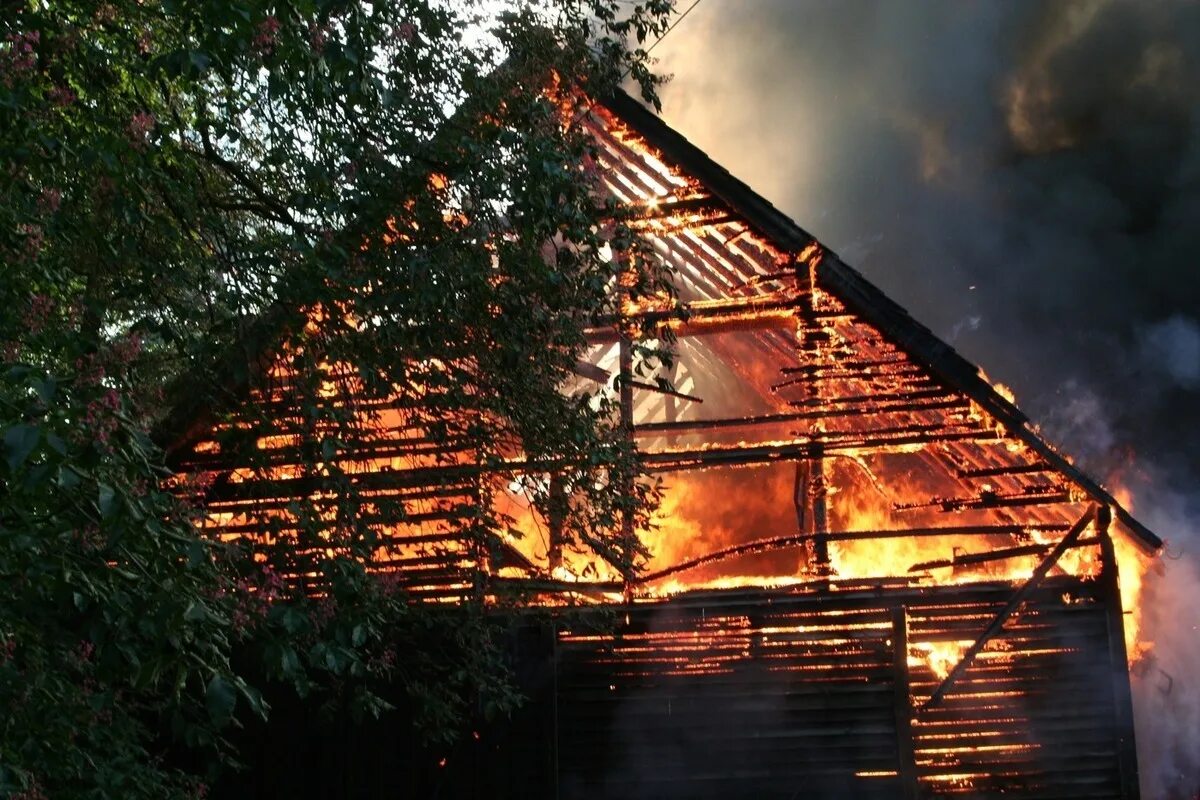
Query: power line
pixel 672 27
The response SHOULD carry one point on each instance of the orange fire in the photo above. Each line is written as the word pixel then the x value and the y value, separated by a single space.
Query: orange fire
pixel 761 337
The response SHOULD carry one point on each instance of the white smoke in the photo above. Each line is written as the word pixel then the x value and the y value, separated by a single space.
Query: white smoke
pixel 1166 683
pixel 1172 348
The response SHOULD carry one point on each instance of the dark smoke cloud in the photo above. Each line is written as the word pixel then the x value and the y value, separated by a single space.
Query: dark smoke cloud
pixel 1025 179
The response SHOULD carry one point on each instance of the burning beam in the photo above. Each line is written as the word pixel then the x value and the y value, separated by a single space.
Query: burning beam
pixel 707 317
pixel 994 555
pixel 795 540
pixel 1013 604
pixel 650 387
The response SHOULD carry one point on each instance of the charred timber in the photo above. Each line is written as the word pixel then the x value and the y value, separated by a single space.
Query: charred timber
pixel 857 365
pixel 783 542
pixel 902 706
pixel 288 455
pixel 822 402
pixel 278 525
pixel 708 317
pixel 1122 694
pixel 664 390
pixel 257 505
pixel 996 472
pixel 676 460
pixel 970 559
pixel 705 425
pixel 700 426
pixel 989 500
pixel 906 374
pixel 1018 598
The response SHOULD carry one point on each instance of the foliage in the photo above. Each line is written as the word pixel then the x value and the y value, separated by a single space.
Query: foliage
pixel 393 186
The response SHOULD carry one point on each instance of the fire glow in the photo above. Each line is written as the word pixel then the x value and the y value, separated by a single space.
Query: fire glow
pixel 807 456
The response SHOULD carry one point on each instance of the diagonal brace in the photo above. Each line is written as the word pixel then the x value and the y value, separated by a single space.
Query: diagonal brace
pixel 1011 606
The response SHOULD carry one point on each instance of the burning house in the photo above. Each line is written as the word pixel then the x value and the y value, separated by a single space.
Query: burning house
pixel 870 576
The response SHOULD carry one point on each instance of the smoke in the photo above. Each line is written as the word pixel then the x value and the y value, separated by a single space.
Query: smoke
pixel 1167 703
pixel 1025 179
pixel 1173 348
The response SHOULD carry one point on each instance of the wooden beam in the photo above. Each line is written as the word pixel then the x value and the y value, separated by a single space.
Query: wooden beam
pixel 905 749
pixel 994 555
pixel 708 325
pixel 671 393
pixel 1014 602
pixel 625 387
pixel 1126 746
pixel 795 540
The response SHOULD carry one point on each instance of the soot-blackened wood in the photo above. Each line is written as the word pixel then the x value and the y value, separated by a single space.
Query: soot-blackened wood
pixel 625 361
pixel 993 555
pixel 1013 604
pixel 669 393
pixel 557 517
pixel 905 755
pixel 1012 469
pixel 1118 658
pixel 817 491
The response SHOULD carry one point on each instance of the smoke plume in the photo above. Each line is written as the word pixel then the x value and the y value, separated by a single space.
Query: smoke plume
pixel 1025 179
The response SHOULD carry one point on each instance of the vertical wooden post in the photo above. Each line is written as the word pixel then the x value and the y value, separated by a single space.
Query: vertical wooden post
pixel 554 723
pixel 557 502
pixel 814 477
pixel 906 763
pixel 820 521
pixel 1118 659
pixel 626 397
pixel 800 495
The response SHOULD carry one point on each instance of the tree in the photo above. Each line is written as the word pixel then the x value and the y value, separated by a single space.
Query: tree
pixel 395 189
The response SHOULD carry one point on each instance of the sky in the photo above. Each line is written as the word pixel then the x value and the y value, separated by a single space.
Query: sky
pixel 1023 177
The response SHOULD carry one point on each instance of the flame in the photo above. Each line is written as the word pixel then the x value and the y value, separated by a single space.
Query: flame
pixel 762 337
pixel 1132 566
pixel 939 657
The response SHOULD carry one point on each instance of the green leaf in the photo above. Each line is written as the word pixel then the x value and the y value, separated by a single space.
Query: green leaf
pixel 19 441
pixel 220 699
pixel 197 554
pixel 196 612
pixel 46 389
pixel 106 500
pixel 56 443
pixel 199 61
pixel 255 700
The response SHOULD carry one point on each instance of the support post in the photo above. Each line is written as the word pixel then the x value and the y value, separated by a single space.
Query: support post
pixel 906 761
pixel 1126 746
pixel 820 521
pixel 556 517
pixel 810 338
pixel 625 359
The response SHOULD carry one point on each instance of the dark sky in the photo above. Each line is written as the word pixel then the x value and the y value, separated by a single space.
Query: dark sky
pixel 1024 177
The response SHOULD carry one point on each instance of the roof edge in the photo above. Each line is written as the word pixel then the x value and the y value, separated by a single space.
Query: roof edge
pixel 863 297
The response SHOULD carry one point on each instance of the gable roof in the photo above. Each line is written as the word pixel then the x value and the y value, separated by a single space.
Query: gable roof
pixel 861 296
pixel 727 199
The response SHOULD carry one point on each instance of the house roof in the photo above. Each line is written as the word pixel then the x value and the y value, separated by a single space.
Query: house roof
pixel 862 297
pixel 253 355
